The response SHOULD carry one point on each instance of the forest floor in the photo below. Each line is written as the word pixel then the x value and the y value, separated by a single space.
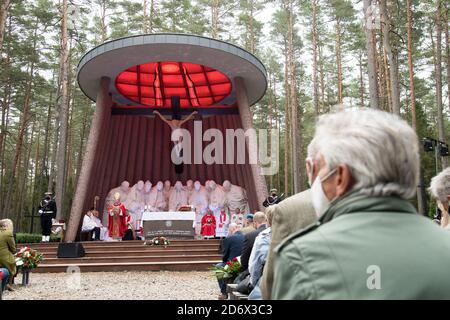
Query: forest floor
pixel 163 285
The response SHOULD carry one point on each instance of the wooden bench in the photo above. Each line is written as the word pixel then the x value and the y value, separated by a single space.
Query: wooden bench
pixel 233 294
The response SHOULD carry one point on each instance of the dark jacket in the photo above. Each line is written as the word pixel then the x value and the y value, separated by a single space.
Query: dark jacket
pixel 232 246
pixel 365 247
pixel 249 241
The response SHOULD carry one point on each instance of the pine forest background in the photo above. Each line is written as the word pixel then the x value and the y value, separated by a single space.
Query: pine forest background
pixel 320 55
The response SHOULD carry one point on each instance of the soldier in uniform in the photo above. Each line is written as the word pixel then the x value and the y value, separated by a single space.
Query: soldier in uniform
pixel 273 198
pixel 47 211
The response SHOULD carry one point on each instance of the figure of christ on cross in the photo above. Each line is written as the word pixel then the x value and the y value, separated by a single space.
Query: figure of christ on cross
pixel 174 124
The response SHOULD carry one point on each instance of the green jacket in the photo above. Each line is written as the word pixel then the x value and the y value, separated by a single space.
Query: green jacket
pixel 365 248
pixel 7 251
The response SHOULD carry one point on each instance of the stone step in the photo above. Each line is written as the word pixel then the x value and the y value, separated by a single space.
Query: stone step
pixel 131 266
pixel 135 248
pixel 118 243
pixel 115 259
pixel 161 251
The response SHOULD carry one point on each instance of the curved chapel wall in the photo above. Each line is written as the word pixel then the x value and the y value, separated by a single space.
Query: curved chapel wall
pixel 137 148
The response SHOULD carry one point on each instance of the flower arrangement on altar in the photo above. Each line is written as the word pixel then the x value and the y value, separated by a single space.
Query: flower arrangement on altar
pixel 228 272
pixel 158 241
pixel 28 258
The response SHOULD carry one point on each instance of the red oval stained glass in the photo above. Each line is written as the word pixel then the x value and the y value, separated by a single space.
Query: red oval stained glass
pixel 154 83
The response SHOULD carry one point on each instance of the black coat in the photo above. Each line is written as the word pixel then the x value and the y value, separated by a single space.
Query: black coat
pixel 249 241
pixel 232 246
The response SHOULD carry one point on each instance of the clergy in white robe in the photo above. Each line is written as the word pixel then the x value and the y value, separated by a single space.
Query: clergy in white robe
pixel 236 197
pixel 166 191
pixel 217 200
pixel 135 203
pixel 178 197
pixel 157 200
pixel 199 200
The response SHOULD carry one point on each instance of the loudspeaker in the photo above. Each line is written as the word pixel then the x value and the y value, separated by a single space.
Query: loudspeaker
pixel 71 250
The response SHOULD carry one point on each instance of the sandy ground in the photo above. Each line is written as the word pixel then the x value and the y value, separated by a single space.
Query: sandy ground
pixel 166 285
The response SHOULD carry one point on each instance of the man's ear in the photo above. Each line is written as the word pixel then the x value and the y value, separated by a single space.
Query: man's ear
pixel 344 180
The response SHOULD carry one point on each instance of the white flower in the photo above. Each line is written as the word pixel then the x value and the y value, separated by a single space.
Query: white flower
pixel 26 254
pixel 226 267
pixel 19 262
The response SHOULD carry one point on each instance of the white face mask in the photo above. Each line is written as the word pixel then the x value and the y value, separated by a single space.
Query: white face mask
pixel 320 201
pixel 197 186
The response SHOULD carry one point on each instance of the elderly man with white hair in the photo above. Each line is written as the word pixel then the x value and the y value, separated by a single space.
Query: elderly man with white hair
pixel 369 241
pixel 440 190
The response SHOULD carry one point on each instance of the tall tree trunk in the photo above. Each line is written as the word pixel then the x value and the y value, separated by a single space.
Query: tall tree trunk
pixel 287 115
pixel 361 80
pixel 314 47
pixel 215 18
pixel 438 58
pixel 371 63
pixel 393 68
pixel 322 80
pixel 421 195
pixel 4 8
pixel 63 107
pixel 447 50
pixel 145 16
pixel 339 61
pixel 20 138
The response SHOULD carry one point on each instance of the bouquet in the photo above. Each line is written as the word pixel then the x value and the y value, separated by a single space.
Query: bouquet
pixel 28 258
pixel 158 241
pixel 228 272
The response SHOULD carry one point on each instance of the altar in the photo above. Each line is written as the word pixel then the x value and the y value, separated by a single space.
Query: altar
pixel 171 224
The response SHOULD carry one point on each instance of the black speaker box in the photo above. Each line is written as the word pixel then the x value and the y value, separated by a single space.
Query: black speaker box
pixel 70 250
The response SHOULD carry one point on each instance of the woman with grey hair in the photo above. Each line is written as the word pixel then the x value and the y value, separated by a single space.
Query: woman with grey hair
pixel 7 250
pixel 440 190
pixel 369 242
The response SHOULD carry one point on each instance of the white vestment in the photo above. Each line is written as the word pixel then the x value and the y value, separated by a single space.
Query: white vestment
pixel 157 201
pixel 199 200
pixel 178 197
pixel 217 201
pixel 237 198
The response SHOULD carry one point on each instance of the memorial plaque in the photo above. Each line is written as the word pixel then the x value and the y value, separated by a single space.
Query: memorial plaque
pixel 172 229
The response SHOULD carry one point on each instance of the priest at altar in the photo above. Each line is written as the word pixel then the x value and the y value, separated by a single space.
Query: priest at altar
pixel 118 218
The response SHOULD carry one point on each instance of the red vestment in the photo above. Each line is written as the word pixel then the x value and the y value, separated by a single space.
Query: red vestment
pixel 208 225
pixel 117 222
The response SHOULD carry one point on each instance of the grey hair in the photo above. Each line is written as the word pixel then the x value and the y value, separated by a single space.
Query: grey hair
pixel 440 186
pixel 6 224
pixel 381 150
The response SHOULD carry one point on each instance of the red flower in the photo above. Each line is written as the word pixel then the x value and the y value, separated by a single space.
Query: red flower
pixel 234 259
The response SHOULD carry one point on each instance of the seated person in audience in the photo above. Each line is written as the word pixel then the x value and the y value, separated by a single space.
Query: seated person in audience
pixel 231 248
pixel 98 223
pixel 4 276
pixel 249 225
pixel 440 190
pixel 258 257
pixel 260 221
pixel 8 250
pixel 369 242
pixel 89 224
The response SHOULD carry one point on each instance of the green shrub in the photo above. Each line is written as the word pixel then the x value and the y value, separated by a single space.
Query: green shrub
pixel 34 238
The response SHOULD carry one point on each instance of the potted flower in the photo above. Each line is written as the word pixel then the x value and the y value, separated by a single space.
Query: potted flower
pixel 229 272
pixel 27 259
pixel 158 241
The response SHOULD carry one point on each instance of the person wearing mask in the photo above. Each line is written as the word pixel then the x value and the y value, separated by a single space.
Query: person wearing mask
pixel 369 241
pixel 440 191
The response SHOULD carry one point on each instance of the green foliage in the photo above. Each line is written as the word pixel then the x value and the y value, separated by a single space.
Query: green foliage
pixel 34 238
